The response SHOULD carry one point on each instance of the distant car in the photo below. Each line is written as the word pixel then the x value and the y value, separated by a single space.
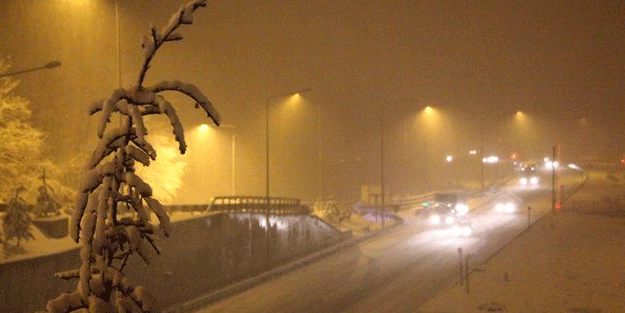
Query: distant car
pixel 505 207
pixel 445 209
pixel 463 228
pixel 442 215
pixel 529 180
pixel 528 168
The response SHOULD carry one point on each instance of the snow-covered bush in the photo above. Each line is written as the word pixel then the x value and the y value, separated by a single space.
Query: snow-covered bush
pixel 21 146
pixel 17 221
pixel 46 204
pixel 333 210
pixel 111 185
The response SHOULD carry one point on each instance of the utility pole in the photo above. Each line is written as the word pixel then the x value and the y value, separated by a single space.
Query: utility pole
pixel 553 179
pixel 382 160
pixel 481 158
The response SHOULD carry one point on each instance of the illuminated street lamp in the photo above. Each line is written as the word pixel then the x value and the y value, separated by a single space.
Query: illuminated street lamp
pixel 267 103
pixel 206 127
pixel 267 198
pixel 523 132
pixel 430 118
pixel 49 65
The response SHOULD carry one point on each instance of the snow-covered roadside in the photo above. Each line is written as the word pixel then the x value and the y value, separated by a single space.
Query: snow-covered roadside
pixel 566 262
pixel 41 245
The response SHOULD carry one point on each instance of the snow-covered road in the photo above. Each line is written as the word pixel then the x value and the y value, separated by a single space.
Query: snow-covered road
pixel 396 272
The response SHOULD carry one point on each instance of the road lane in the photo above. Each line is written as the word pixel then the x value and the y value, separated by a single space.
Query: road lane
pixel 395 272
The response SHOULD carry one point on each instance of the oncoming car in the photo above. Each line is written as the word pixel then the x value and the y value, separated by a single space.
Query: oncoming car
pixel 528 167
pixel 505 207
pixel 446 209
pixel 528 177
pixel 442 215
pixel 529 180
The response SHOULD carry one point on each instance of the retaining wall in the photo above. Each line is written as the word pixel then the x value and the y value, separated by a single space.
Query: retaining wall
pixel 203 254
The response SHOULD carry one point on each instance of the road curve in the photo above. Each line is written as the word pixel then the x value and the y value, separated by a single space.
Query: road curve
pixel 395 272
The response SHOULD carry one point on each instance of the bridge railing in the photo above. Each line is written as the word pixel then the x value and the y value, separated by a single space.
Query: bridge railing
pixel 252 204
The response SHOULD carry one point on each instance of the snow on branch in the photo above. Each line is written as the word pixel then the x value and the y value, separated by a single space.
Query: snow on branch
pixel 166 108
pixel 111 187
pixel 163 218
pixel 66 302
pixel 192 92
pixel 151 44
pixel 67 275
pixel 108 107
pixel 138 154
pixel 136 182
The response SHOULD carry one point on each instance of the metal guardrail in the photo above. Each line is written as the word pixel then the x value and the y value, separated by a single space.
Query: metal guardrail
pixel 251 204
pixel 186 208
pixel 412 201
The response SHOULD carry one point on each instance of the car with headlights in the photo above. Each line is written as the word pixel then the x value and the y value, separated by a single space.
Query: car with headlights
pixel 505 206
pixel 529 168
pixel 463 228
pixel 529 175
pixel 529 180
pixel 444 209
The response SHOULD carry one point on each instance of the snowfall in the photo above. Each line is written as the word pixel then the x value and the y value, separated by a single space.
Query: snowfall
pixel 570 261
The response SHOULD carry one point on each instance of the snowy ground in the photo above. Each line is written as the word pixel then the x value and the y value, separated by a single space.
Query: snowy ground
pixel 41 245
pixel 44 245
pixel 566 262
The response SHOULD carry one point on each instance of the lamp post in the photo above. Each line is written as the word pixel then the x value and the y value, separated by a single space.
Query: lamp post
pixel 267 190
pixel 49 65
pixel 119 54
pixel 382 161
pixel 320 154
pixel 233 156
pixel 233 163
pixel 213 131
pixel 267 103
pixel 429 115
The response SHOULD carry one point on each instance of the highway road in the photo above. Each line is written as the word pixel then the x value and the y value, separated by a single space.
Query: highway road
pixel 398 271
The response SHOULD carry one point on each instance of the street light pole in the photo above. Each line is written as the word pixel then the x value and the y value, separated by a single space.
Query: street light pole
pixel 234 149
pixel 267 194
pixel 320 154
pixel 382 161
pixel 119 55
pixel 267 103
pixel 49 65
pixel 481 158
pixel 233 157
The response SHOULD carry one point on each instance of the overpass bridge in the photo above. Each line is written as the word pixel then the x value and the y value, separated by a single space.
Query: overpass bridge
pixel 247 204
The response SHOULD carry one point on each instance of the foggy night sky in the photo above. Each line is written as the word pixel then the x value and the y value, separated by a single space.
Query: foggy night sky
pixel 477 62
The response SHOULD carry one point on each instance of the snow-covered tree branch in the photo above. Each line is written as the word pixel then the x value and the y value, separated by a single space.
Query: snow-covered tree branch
pixel 111 185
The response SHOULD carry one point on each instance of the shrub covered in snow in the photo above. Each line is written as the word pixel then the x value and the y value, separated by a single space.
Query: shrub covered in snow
pixel 111 185
pixel 21 146
pixel 46 204
pixel 17 221
pixel 333 210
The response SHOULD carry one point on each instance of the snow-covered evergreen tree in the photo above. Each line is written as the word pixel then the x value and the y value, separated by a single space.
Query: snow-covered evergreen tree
pixel 46 204
pixel 17 221
pixel 111 185
pixel 21 145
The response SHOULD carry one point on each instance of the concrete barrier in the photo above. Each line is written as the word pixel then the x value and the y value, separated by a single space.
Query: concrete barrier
pixel 203 254
pixel 53 226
